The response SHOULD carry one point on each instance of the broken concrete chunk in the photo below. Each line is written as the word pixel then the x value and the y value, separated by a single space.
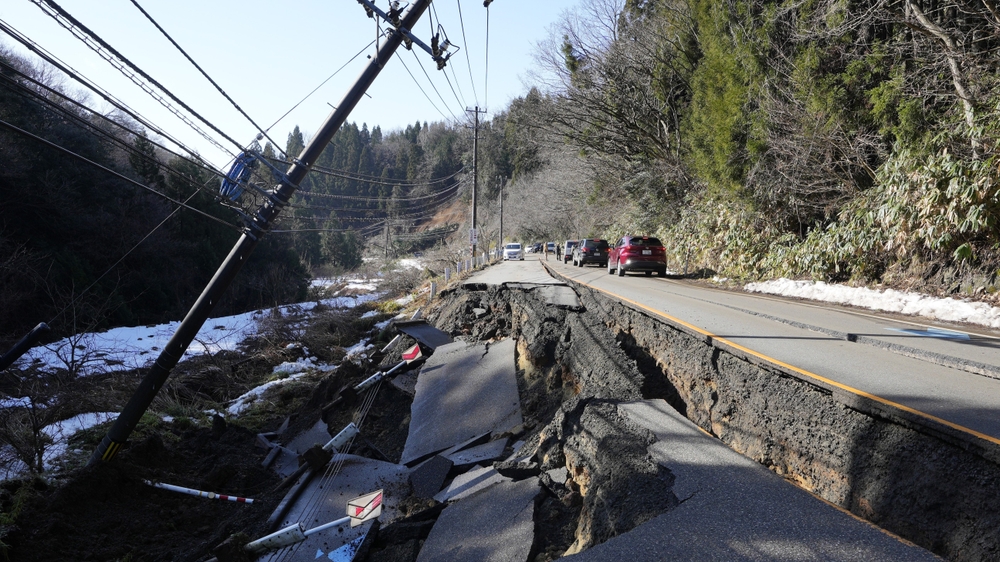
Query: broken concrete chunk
pixel 470 482
pixel 558 475
pixel 462 391
pixel 407 382
pixel 496 524
pixel 428 476
pixel 424 333
pixel 480 312
pixel 560 296
pixel 480 453
pixel 517 470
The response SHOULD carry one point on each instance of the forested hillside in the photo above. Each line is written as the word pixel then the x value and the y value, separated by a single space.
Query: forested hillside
pixel 825 138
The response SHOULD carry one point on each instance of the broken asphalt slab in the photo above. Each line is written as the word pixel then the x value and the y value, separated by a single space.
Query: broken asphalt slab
pixel 325 498
pixel 734 509
pixel 495 524
pixel 463 391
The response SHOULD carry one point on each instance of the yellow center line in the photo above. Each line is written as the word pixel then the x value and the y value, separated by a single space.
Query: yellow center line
pixel 793 368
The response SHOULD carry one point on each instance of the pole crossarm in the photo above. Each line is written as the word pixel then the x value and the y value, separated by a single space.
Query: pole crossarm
pixel 438 52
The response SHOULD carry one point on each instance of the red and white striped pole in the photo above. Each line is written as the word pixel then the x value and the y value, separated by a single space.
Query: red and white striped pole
pixel 199 493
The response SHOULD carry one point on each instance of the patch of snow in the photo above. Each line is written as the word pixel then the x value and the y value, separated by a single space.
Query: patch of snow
pixel 24 402
pixel 890 300
pixel 359 352
pixel 61 431
pixel 301 365
pixel 125 348
pixel 382 325
pixel 370 313
pixel 410 263
pixel 403 301
pixel 242 403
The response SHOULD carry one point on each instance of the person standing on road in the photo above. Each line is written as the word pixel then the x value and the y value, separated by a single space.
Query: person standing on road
pixel 558 252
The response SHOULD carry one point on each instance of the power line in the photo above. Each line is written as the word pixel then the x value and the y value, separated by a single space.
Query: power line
pixel 114 173
pixel 486 78
pixel 52 105
pixel 321 84
pixel 86 82
pixel 107 52
pixel 203 73
pixel 421 88
pixel 428 76
pixel 466 44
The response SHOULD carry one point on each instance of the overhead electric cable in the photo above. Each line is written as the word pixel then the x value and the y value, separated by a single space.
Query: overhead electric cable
pixel 97 130
pixel 421 88
pixel 203 73
pixel 114 173
pixel 486 78
pixel 76 297
pixel 320 86
pixel 466 45
pixel 89 38
pixel 428 76
pixel 86 82
pixel 371 198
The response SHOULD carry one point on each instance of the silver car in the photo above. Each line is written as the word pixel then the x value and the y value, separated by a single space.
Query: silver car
pixel 513 251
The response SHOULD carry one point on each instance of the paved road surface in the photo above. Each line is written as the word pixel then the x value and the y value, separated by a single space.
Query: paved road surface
pixel 941 370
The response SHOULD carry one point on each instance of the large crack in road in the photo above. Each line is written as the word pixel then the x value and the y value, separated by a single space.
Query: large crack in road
pixel 595 377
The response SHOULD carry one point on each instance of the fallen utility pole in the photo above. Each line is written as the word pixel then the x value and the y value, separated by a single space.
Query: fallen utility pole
pixel 257 227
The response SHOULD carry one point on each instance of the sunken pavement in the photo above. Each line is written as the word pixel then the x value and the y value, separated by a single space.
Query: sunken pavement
pixel 534 432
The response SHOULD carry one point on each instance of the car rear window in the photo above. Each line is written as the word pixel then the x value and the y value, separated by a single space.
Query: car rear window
pixel 599 244
pixel 647 241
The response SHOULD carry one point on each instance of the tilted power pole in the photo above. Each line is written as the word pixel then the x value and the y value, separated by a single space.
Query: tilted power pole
pixel 473 234
pixel 256 228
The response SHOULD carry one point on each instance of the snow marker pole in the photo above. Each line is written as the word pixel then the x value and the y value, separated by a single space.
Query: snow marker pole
pixel 199 493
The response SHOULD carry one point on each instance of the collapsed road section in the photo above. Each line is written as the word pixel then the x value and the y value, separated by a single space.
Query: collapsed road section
pixel 546 429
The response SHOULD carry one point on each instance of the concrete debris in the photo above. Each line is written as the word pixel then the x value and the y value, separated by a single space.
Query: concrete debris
pixel 428 476
pixel 462 391
pixel 480 453
pixel 319 502
pixel 560 296
pixel 424 333
pixel 496 524
pixel 476 479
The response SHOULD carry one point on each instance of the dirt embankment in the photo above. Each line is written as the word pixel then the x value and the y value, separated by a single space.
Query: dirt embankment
pixel 923 481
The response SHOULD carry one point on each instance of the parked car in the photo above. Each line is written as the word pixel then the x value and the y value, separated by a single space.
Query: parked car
pixel 567 251
pixel 591 250
pixel 638 253
pixel 513 251
pixel 550 247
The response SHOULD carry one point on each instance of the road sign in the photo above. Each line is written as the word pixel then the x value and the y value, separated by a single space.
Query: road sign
pixel 473 236
pixel 412 354
pixel 363 508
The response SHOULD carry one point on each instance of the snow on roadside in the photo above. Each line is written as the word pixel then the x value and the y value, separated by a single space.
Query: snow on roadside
pixel 133 347
pixel 946 309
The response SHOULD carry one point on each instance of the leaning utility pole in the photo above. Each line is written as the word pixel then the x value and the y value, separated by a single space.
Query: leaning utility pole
pixel 473 234
pixel 256 228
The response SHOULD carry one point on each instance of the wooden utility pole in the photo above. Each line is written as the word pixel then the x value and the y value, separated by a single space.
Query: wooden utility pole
pixel 473 234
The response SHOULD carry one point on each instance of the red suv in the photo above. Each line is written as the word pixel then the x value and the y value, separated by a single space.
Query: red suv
pixel 638 253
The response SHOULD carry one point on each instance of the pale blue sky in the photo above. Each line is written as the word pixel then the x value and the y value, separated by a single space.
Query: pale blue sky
pixel 268 55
